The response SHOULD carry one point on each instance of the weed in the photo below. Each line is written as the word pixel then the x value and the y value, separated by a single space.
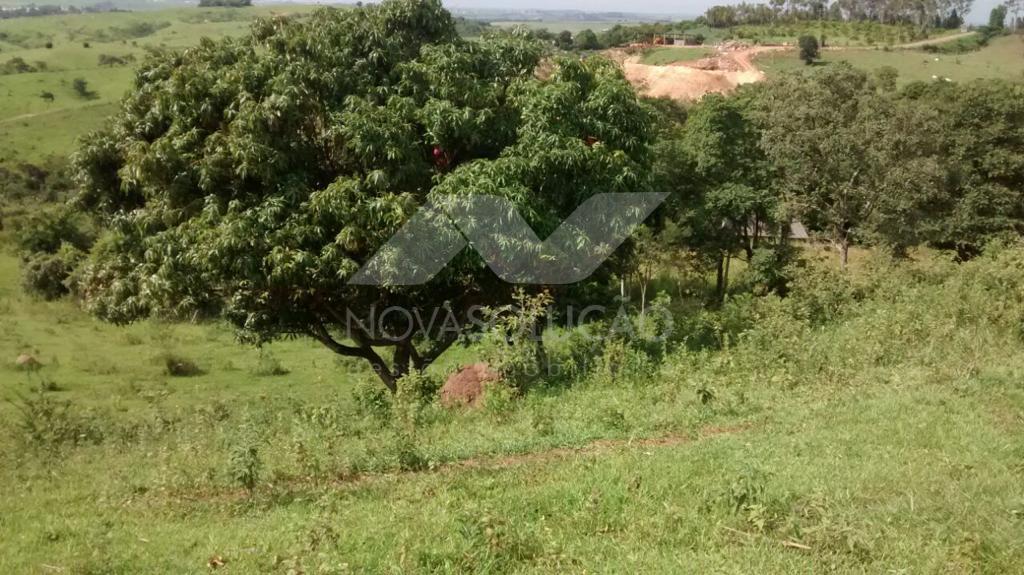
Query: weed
pixel 179 366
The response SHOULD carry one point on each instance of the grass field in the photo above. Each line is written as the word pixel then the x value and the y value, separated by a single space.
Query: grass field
pixel 667 56
pixel 1003 58
pixel 51 128
pixel 822 436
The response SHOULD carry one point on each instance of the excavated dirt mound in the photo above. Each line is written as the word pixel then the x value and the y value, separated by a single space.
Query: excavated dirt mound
pixel 731 67
pixel 466 388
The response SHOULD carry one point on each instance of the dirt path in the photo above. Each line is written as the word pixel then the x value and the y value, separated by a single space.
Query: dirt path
pixel 941 40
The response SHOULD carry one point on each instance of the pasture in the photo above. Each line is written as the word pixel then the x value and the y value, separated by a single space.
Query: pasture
pixel 878 436
pixel 1003 58
pixel 31 127
pixel 671 55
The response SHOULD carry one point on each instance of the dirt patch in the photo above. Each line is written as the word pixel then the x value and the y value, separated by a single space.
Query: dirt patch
pixel 722 73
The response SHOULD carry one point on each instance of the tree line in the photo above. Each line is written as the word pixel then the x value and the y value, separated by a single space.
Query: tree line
pixel 924 13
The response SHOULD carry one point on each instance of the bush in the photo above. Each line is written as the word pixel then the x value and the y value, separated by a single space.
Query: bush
pixel 372 399
pixel 48 275
pixel 771 269
pixel 809 49
pixel 244 463
pixel 49 424
pixel 178 366
pixel 268 366
pixel 47 231
pixel 417 388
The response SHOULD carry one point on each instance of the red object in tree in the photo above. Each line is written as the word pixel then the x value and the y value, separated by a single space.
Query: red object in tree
pixel 590 140
pixel 438 152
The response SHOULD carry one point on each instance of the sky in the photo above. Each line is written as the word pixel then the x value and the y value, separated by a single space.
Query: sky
pixel 979 15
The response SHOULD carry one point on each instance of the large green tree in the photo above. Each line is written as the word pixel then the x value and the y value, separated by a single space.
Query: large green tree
pixel 720 178
pixel 251 178
pixel 854 164
pixel 983 137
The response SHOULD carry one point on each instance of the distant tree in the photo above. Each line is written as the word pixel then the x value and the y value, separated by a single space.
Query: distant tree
pixel 81 88
pixel 564 40
pixel 855 164
pixel 49 45
pixel 224 3
pixel 997 19
pixel 809 50
pixel 587 40
pixel 86 45
pixel 251 178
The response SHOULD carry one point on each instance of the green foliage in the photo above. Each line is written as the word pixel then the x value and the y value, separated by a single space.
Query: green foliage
pixel 809 49
pixel 268 366
pixel 997 18
pixel 81 88
pixel 586 40
pixel 16 65
pixel 372 400
pixel 50 425
pixel 302 185
pixel 517 340
pixel 224 3
pixel 176 365
pixel 48 230
pixel 868 167
pixel 48 275
pixel 244 464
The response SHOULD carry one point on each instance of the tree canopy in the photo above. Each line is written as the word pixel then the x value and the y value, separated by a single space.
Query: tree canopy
pixel 252 177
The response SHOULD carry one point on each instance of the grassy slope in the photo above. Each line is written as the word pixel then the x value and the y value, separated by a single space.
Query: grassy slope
pixel 887 441
pixel 30 128
pixel 1003 58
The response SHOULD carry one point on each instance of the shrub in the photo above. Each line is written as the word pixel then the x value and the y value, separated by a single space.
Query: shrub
pixel 268 366
pixel 178 366
pixel 244 463
pixel 809 49
pixel 48 275
pixel 47 231
pixel 372 399
pixel 81 88
pixel 771 269
pixel 49 424
pixel 417 388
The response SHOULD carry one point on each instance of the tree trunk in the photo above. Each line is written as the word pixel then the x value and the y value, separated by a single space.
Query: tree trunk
pixel 720 280
pixel 844 253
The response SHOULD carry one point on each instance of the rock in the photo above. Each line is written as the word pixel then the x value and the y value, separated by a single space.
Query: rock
pixel 466 387
pixel 27 362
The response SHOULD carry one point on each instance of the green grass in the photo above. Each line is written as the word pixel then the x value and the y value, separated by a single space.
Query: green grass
pixel 846 34
pixel 32 129
pixel 666 56
pixel 828 435
pixel 1003 58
